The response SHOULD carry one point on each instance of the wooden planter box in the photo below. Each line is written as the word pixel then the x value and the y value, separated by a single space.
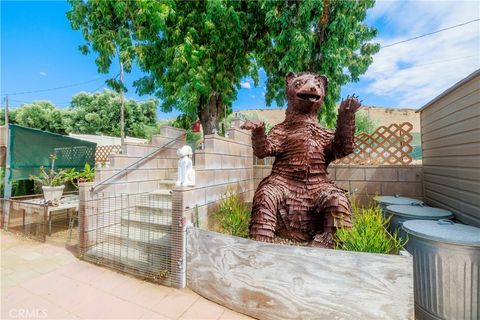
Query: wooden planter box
pixel 269 281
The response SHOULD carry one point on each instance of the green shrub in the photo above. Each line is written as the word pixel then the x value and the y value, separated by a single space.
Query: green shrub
pixel 363 123
pixel 233 215
pixel 86 175
pixel 368 233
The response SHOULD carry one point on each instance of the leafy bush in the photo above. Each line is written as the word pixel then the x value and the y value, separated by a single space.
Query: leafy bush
pixel 185 122
pixel 51 178
pixel 368 233
pixel 233 215
pixel 363 123
pixel 86 175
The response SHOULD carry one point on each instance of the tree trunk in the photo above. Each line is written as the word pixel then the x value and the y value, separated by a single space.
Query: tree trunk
pixel 320 36
pixel 210 113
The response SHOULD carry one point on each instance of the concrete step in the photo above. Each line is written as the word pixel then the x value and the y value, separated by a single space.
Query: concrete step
pixel 143 263
pixel 148 221
pixel 166 184
pixel 138 238
pixel 161 192
pixel 173 175
pixel 157 200
pixel 160 195
pixel 157 207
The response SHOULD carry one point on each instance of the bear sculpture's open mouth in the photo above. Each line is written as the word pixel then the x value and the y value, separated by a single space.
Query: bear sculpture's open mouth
pixel 308 96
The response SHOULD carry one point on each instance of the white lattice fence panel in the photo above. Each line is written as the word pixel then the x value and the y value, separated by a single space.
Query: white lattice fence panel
pixel 387 145
pixel 103 152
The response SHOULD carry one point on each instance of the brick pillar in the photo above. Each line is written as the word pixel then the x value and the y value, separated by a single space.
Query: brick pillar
pixel 178 241
pixel 84 210
pixel 237 121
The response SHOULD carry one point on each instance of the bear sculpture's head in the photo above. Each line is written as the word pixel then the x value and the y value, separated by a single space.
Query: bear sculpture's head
pixel 305 92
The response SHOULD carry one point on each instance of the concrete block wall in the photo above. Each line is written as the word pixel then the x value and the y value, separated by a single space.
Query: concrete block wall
pixel 224 164
pixel 145 176
pixel 366 181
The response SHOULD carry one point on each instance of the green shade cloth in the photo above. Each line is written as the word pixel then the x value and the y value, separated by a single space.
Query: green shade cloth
pixel 31 148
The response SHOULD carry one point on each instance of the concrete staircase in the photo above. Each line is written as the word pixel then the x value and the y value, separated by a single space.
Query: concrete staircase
pixel 137 237
pixel 140 243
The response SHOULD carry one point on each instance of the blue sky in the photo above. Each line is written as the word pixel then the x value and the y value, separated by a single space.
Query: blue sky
pixel 39 50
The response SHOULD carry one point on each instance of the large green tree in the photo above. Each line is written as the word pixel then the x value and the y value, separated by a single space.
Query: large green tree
pixel 114 29
pixel 328 37
pixel 195 53
pixel 197 63
pixel 89 113
pixel 41 115
pixel 98 113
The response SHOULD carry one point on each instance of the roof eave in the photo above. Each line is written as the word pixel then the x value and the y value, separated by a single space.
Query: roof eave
pixel 472 76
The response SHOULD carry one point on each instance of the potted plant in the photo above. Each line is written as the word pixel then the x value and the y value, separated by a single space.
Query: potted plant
pixel 53 182
pixel 86 175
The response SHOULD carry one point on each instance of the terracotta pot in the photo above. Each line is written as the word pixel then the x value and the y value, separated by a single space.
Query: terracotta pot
pixel 52 194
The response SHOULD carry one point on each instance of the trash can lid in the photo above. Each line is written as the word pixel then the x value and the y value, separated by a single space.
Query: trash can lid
pixel 417 211
pixel 396 199
pixel 443 230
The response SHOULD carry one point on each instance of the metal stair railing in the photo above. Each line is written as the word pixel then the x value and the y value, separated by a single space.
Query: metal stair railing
pixel 136 163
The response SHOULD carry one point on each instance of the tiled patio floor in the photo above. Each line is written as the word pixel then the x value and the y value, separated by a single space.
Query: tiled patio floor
pixel 46 281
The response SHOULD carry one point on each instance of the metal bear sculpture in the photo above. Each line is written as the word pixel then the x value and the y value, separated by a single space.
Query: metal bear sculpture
pixel 297 201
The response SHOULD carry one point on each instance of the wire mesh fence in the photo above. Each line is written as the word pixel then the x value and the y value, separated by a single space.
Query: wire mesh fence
pixel 128 232
pixel 34 218
pixel 25 217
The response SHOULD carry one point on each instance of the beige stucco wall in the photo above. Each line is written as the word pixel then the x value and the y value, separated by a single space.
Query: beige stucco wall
pixel 224 164
pixel 451 150
pixel 380 115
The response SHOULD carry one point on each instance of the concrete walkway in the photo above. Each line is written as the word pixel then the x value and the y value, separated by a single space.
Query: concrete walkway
pixel 46 281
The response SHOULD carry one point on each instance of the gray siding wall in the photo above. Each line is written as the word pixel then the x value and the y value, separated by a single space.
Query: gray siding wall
pixel 451 151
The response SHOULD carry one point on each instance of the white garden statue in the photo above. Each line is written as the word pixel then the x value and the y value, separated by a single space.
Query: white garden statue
pixel 186 173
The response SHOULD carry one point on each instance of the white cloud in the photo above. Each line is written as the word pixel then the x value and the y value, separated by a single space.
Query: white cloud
pixel 43 73
pixel 246 85
pixel 417 71
pixel 252 96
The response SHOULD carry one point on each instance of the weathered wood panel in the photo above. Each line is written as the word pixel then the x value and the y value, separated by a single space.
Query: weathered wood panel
pixel 270 281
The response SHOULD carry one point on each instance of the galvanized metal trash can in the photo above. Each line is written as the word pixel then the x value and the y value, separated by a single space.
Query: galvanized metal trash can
pixel 385 201
pixel 404 212
pixel 446 262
